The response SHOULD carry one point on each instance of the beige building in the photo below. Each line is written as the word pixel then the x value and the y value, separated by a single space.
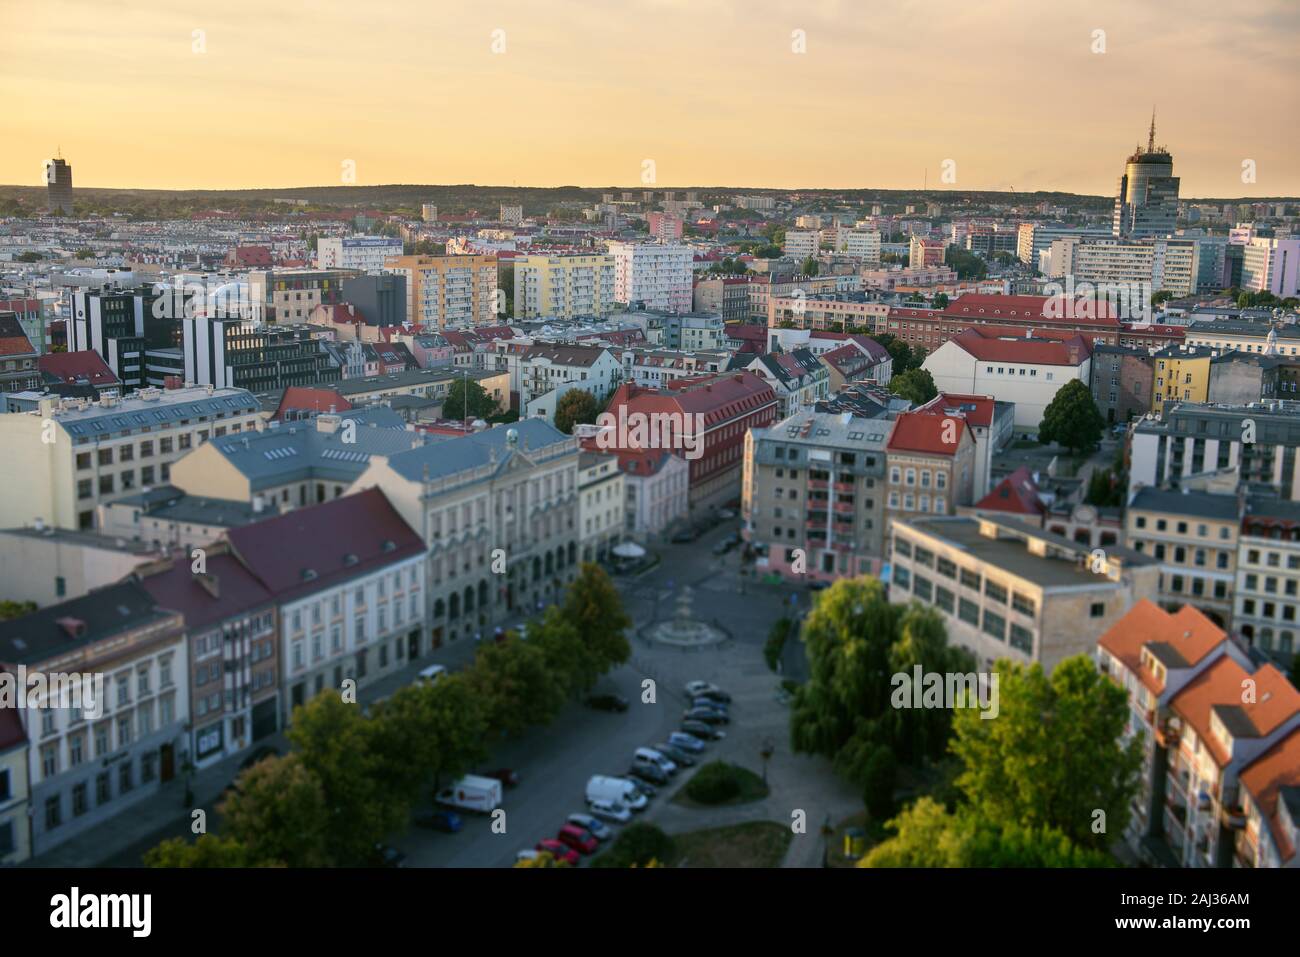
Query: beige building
pixel 498 511
pixel 425 383
pixel 443 291
pixel 932 462
pixel 166 518
pixel 563 287
pixel 47 565
pixel 1193 535
pixel 600 504
pixel 1007 589
pixel 65 457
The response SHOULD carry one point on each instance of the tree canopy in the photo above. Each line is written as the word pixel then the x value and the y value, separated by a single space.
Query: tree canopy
pixel 1072 419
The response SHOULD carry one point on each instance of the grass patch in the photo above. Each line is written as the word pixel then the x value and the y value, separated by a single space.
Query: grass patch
pixel 719 784
pixel 753 844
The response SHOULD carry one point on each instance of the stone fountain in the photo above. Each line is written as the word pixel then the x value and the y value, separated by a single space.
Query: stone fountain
pixel 683 629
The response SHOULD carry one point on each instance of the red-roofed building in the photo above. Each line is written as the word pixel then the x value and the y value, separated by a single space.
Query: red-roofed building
pixel 250 257
pixel 703 420
pixel 347 577
pixel 1018 494
pixel 15 832
pixel 992 426
pixel 1206 715
pixel 746 338
pixel 1027 371
pixel 72 373
pixel 303 402
pixel 18 371
pixel 930 461
pixel 230 619
pixel 1270 796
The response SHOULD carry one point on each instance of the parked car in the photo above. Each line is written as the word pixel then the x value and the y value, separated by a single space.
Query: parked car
pixel 695 689
pixel 259 754
pixel 651 756
pixel 726 514
pixel 578 838
pixel 588 822
pixel 431 673
pixel 723 546
pixel 559 851
pixel 472 793
pixel 607 702
pixel 818 585
pixel 707 715
pixel 705 732
pixel 683 537
pixel 713 704
pixel 610 811
pixel 677 755
pixel 686 742
pixel 446 821
pixel 716 695
pixel 506 776
pixel 526 855
pixel 386 855
pixel 648 772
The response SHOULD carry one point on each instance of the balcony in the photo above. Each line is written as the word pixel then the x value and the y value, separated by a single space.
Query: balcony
pixel 1233 817
pixel 843 528
pixel 845 487
pixel 817 485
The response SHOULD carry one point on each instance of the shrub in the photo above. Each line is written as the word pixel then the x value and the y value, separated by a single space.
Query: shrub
pixel 714 783
pixel 776 642
pixel 638 845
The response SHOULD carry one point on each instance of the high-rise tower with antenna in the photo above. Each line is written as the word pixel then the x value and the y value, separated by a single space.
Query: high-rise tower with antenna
pixel 1146 203
pixel 58 184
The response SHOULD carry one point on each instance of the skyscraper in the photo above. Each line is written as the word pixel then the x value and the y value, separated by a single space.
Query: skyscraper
pixel 58 183
pixel 1147 200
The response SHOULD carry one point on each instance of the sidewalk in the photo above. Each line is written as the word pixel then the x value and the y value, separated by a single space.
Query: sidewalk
pixel 120 840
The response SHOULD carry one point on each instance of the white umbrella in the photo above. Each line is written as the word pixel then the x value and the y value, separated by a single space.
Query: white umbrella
pixel 629 550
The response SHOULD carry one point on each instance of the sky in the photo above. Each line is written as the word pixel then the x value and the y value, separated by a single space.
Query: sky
pixel 1020 94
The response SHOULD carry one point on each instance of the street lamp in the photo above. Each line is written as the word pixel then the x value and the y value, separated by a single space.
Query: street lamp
pixel 769 748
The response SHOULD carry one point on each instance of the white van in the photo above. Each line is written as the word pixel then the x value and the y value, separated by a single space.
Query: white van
pixel 616 791
pixel 649 756
pixel 472 793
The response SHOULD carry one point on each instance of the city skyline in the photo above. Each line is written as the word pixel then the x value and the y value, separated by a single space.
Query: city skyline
pixel 564 99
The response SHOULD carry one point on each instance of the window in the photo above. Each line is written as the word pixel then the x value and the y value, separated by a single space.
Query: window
pixel 922 588
pixel 903 547
pixel 944 599
pixel 970 579
pixel 995 592
pixel 946 567
pixel 53 812
pixel 902 577
pixel 1022 604
pixel 995 625
pixel 968 612
pixel 1097 609
pixel 1022 639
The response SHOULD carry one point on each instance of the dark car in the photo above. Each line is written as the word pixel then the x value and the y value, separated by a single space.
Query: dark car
pixel 707 715
pixel 507 777
pixel 713 704
pixel 649 772
pixel 676 755
pixel 818 585
pixel 683 537
pixel 607 702
pixel 445 821
pixel 265 751
pixel 386 855
pixel 701 730
pixel 723 546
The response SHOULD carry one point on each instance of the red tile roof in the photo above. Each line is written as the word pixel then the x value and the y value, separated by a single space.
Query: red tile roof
pixel 719 398
pixel 1276 768
pixel 1037 351
pixel 13 341
pixel 321 546
pixel 1016 493
pixel 1188 631
pixel 987 307
pixel 72 366
pixel 298 398
pixel 976 409
pixel 924 432
pixel 1221 686
pixel 230 590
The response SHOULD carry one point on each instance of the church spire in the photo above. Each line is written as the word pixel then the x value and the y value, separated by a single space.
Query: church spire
pixel 1151 137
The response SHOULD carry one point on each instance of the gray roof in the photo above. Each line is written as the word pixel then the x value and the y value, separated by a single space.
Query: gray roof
pixel 106 612
pixel 412 377
pixel 169 408
pixel 1244 327
pixel 299 451
pixel 169 503
pixel 442 459
pixel 1195 504
pixel 86 539
pixel 845 431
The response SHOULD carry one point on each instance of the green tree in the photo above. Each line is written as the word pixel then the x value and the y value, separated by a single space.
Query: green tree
pixel 466 398
pixel 428 732
pixel 15 609
pixel 940 300
pixel 574 407
pixel 566 653
pixel 856 641
pixel 506 283
pixel 208 851
pixel 595 608
pixel 1163 295
pixel 1053 757
pixel 517 686
pixel 1105 489
pixel 278 812
pixel 1072 419
pixel 966 264
pixel 927 835
pixel 809 267
pixel 880 775
pixel 915 385
pixel 336 743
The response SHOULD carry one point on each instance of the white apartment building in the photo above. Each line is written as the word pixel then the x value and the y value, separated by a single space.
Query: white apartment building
pixel 512 215
pixel 67 456
pixel 1271 265
pixel 548 370
pixel 656 276
pixel 600 504
pixel 367 253
pixel 802 243
pixel 1172 265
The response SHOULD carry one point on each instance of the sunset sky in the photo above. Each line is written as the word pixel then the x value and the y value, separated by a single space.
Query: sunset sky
pixel 410 90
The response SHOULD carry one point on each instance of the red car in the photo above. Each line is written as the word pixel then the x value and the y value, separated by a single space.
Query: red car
pixel 559 851
pixel 507 777
pixel 578 838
